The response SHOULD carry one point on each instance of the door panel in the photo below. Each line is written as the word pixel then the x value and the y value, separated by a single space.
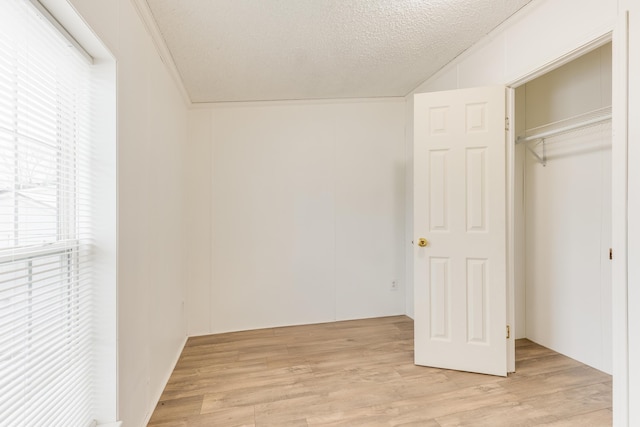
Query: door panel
pixel 460 208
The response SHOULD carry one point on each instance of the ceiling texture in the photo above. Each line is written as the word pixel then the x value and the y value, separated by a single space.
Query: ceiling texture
pixel 256 50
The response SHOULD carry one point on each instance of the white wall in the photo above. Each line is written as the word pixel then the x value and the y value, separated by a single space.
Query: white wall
pixel 197 193
pixel 633 211
pixel 568 215
pixel 151 135
pixel 306 205
pixel 408 214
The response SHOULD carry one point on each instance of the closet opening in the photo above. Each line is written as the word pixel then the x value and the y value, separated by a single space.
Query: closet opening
pixel 562 210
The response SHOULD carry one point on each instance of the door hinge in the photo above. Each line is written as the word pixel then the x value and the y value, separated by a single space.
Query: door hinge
pixel 508 332
pixel 610 253
pixel 506 123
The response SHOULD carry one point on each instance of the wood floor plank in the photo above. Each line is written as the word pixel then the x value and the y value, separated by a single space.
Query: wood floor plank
pixel 510 414
pixel 603 417
pixel 544 364
pixel 176 409
pixel 361 373
pixel 233 416
pixel 458 400
pixel 364 416
pixel 250 396
pixel 548 383
pixel 289 410
pixel 575 401
pixel 468 379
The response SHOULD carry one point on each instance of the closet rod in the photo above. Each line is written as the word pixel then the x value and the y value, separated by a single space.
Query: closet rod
pixel 543 135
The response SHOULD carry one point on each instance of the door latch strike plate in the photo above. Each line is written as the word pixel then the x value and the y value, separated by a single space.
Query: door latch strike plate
pixel 508 332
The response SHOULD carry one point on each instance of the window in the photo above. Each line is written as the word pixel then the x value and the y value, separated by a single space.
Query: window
pixel 46 291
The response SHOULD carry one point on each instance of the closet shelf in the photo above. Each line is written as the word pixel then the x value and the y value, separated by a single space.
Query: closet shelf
pixel 557 128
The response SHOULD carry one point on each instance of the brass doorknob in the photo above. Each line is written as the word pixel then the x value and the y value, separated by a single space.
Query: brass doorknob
pixel 422 242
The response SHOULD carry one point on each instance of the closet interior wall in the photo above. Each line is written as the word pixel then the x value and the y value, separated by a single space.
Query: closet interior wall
pixel 563 214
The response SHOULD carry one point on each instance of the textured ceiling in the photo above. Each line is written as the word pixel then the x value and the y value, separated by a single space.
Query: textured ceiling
pixel 250 50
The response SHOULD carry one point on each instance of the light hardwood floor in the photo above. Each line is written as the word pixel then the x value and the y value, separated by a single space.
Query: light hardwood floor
pixel 361 373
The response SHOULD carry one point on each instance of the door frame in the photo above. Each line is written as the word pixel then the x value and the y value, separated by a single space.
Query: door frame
pixel 619 282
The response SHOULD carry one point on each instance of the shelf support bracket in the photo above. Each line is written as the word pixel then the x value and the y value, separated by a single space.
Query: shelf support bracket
pixel 542 160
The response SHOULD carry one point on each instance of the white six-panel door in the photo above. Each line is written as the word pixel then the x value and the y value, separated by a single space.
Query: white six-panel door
pixel 460 209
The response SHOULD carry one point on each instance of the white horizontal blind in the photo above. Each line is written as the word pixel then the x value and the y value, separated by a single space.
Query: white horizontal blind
pixel 45 258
